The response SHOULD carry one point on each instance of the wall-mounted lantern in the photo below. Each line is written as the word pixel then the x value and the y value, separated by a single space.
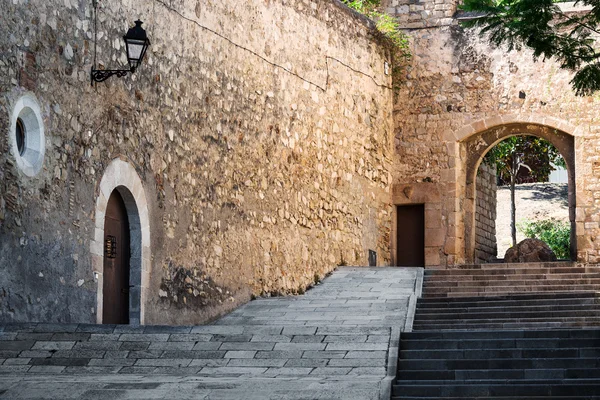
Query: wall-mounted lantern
pixel 136 43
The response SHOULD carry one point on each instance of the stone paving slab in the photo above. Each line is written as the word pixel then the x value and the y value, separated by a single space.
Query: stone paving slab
pixel 115 387
pixel 337 341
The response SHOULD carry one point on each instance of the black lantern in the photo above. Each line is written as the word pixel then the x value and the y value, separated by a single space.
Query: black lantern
pixel 136 44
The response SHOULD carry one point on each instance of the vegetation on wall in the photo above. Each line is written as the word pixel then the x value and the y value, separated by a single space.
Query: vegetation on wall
pixel 386 23
pixel 568 38
pixel 554 233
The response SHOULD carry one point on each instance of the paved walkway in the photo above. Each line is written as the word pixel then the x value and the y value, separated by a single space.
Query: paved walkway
pixel 338 341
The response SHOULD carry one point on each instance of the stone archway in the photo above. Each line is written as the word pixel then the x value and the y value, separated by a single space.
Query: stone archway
pixel 473 147
pixel 121 176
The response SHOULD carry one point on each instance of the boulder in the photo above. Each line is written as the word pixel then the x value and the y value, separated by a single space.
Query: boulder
pixel 529 250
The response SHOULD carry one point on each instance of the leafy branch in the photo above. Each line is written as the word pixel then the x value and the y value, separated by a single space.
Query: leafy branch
pixel 569 39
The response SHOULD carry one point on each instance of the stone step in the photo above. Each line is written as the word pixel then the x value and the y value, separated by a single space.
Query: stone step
pixel 549 264
pixel 510 271
pixel 505 291
pixel 500 363
pixel 499 381
pixel 429 279
pixel 570 397
pixel 512 300
pixel 524 306
pixel 461 325
pixel 527 287
pixel 476 374
pixel 493 344
pixel 595 317
pixel 474 354
pixel 517 315
pixel 529 282
pixel 500 334
pixel 492 391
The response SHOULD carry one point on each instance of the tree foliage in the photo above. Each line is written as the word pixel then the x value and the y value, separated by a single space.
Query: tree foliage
pixel 522 152
pixel 569 39
pixel 531 153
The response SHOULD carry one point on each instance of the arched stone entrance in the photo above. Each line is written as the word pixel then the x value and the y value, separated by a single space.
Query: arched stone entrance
pixel 121 176
pixel 480 137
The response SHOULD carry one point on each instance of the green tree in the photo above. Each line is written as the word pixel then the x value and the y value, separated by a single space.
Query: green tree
pixel 549 32
pixel 529 152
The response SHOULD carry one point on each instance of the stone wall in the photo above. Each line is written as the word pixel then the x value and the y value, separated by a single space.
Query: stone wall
pixel 486 248
pixel 416 14
pixel 260 133
pixel 457 98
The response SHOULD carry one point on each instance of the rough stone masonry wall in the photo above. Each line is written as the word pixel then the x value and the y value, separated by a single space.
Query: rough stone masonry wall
pixel 421 13
pixel 261 131
pixel 457 86
pixel 486 248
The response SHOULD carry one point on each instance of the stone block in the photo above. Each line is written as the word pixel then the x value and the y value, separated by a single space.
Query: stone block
pixel 366 354
pixel 112 362
pixel 299 330
pixel 240 354
pixel 171 346
pixel 163 362
pixel 134 337
pixel 207 346
pixel 248 346
pixel 192 337
pixel 49 345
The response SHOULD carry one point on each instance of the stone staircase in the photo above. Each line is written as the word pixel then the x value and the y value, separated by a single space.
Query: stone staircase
pixel 507 279
pixel 504 331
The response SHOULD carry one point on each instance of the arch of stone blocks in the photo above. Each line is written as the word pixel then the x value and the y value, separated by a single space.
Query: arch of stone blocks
pixel 121 176
pixel 478 138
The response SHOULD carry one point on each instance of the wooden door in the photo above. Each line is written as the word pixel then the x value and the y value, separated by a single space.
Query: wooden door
pixel 115 307
pixel 410 235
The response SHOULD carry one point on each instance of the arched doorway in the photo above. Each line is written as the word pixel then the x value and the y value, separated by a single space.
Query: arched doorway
pixel 117 253
pixel 474 147
pixel 121 197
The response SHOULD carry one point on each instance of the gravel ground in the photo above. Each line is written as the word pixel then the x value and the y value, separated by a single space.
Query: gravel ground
pixel 535 201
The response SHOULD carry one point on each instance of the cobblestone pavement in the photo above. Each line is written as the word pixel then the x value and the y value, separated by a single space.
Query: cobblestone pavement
pixel 338 341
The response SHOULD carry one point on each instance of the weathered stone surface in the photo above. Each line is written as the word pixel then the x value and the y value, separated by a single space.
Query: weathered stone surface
pixel 455 103
pixel 486 247
pixel 529 250
pixel 264 160
pixel 348 353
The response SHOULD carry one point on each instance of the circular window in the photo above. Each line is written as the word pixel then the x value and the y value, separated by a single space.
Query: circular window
pixel 27 135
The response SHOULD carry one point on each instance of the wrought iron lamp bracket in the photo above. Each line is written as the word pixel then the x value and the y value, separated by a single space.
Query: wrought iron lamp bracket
pixel 100 75
pixel 136 44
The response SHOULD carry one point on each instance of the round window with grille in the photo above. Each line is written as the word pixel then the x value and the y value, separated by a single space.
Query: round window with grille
pixel 27 135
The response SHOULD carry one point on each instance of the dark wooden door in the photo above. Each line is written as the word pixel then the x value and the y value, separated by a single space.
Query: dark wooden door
pixel 115 307
pixel 410 228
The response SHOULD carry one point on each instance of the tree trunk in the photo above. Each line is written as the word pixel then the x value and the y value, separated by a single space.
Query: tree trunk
pixel 513 179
